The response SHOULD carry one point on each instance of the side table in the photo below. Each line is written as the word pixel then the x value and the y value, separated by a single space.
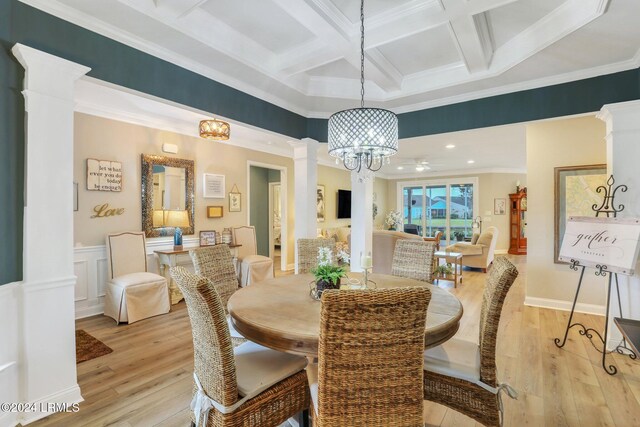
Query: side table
pixel 454 258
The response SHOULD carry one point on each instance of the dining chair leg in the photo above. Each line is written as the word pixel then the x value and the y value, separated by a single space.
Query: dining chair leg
pixel 303 418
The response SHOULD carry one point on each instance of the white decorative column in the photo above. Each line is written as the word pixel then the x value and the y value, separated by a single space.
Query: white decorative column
pixel 48 364
pixel 305 169
pixel 623 153
pixel 361 219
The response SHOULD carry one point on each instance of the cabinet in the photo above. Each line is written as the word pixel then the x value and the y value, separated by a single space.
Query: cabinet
pixel 517 223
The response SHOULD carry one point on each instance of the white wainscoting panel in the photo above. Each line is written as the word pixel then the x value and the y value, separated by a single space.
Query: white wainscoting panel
pixel 9 350
pixel 90 263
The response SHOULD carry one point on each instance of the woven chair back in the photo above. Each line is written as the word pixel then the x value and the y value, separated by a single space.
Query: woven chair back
pixel 413 259
pixel 216 264
pixel 308 252
pixel 499 280
pixel 245 236
pixel 212 348
pixel 370 367
pixel 126 253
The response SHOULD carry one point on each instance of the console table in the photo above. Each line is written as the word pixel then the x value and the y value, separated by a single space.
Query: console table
pixel 169 258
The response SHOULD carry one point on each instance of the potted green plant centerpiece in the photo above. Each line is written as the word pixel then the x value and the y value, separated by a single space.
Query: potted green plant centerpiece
pixel 327 274
pixel 459 235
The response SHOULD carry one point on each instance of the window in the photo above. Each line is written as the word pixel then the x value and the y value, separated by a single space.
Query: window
pixel 447 205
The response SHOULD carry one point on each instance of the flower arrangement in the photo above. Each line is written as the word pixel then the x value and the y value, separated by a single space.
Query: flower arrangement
pixel 393 220
pixel 326 273
pixel 342 253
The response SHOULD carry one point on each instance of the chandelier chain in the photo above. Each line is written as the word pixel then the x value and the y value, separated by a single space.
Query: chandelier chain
pixel 362 54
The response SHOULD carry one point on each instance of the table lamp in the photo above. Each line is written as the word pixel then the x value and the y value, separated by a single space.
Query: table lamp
pixel 169 218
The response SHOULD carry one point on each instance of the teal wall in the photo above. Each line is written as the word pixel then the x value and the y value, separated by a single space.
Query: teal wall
pixel 259 209
pixel 122 65
pixel 12 149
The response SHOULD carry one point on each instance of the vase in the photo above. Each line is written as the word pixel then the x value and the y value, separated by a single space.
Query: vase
pixel 322 285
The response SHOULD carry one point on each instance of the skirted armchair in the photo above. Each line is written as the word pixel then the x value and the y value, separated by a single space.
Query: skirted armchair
pixel 479 252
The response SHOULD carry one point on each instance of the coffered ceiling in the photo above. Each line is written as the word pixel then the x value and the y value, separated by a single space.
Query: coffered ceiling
pixel 304 54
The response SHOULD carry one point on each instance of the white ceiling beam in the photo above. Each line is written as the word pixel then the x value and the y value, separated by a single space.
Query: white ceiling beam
pixel 198 25
pixel 179 8
pixel 478 6
pixel 470 35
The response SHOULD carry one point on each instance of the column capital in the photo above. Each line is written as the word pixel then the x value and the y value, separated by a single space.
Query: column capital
pixel 48 74
pixel 304 147
pixel 625 115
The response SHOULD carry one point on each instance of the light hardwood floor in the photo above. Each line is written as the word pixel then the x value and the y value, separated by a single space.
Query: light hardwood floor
pixel 147 380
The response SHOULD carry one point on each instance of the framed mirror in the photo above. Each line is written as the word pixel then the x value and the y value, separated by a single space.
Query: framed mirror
pixel 167 185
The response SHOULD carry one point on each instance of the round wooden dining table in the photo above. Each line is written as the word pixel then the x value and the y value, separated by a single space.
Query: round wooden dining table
pixel 280 314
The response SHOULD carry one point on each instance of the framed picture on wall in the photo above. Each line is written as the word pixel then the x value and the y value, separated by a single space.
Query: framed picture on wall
pixel 320 203
pixel 212 186
pixel 575 194
pixel 215 212
pixel 235 199
pixel 499 206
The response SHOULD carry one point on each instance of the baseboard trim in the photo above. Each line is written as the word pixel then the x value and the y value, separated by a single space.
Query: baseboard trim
pixel 8 419
pixel 93 310
pixel 555 304
pixel 500 252
pixel 69 395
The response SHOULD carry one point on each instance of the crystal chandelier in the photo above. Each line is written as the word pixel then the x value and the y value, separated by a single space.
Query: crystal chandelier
pixel 215 129
pixel 363 137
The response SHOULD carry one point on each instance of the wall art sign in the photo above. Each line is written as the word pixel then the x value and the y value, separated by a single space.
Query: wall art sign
pixel 104 175
pixel 104 211
pixel 213 186
pixel 499 206
pixel 207 238
pixel 610 242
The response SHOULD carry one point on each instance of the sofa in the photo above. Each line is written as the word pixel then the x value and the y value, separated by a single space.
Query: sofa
pixel 339 234
pixel 479 252
pixel 382 247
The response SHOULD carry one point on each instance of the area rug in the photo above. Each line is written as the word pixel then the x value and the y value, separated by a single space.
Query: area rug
pixel 89 347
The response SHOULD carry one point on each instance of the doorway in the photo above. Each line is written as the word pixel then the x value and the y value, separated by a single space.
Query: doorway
pixel 268 210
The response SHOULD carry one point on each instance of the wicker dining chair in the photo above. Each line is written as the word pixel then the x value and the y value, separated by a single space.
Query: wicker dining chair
pixel 413 259
pixel 248 385
pixel 462 374
pixel 370 357
pixel 216 264
pixel 308 252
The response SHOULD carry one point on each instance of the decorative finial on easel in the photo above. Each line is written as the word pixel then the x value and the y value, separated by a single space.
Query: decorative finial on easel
pixel 608 206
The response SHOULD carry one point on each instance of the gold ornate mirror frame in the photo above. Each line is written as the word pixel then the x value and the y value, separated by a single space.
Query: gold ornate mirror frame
pixel 148 162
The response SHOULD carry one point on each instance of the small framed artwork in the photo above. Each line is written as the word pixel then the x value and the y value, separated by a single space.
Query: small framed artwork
pixel 214 212
pixel 207 238
pixel 320 203
pixel 213 186
pixel 499 206
pixel 235 198
pixel 75 196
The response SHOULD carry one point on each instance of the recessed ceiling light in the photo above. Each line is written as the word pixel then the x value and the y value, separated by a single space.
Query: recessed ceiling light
pixel 400 168
pixel 419 168
pixel 471 161
pixel 450 146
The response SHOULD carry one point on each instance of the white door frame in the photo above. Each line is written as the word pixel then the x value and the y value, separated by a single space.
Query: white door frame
pixel 271 218
pixel 284 246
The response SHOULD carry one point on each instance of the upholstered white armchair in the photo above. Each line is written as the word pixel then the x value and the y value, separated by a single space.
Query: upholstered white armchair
pixel 479 252
pixel 132 292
